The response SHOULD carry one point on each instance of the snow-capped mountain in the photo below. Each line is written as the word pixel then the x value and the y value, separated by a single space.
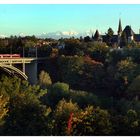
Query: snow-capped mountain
pixel 56 35
pixel 59 34
pixel 3 36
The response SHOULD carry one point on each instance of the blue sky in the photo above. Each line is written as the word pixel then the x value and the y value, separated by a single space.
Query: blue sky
pixel 36 19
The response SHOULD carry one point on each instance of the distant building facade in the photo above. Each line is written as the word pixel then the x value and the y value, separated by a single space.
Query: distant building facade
pixel 123 36
pixel 127 35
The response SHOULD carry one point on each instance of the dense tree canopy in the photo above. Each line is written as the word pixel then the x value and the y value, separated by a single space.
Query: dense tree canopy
pixel 85 87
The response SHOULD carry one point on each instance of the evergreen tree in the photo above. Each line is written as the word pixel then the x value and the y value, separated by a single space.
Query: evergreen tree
pixel 109 36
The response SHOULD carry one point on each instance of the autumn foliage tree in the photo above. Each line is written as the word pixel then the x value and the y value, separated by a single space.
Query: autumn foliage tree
pixel 91 122
pixel 44 79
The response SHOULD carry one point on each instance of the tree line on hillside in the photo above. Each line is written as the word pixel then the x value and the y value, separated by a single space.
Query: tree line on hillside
pixel 56 109
pixel 50 47
pixel 84 89
pixel 60 108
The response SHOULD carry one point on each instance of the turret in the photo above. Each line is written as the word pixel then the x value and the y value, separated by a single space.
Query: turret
pixel 97 36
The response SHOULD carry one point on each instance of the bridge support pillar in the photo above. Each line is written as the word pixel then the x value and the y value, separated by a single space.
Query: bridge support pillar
pixel 31 72
pixel 23 66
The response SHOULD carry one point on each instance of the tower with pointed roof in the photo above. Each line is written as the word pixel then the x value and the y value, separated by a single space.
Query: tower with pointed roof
pixel 120 28
pixel 97 36
pixel 119 32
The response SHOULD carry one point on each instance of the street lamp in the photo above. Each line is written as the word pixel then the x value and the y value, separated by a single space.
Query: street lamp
pixel 36 50
pixel 11 49
pixel 23 52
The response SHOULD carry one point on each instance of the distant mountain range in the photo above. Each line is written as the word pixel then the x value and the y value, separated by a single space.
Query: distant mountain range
pixel 3 36
pixel 64 34
pixel 57 34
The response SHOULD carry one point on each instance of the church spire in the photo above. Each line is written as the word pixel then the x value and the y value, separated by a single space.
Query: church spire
pixel 119 32
pixel 120 27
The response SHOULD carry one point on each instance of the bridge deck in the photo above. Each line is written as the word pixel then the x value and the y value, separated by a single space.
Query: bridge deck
pixel 20 60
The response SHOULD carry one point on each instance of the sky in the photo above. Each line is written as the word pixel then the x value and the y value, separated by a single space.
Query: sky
pixel 37 19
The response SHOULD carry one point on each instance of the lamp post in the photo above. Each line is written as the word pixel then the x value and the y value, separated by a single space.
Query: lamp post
pixel 11 49
pixel 23 52
pixel 36 51
pixel 23 60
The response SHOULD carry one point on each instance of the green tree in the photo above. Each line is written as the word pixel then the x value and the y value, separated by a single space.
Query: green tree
pixel 74 69
pixel 109 36
pixel 110 32
pixel 61 116
pixel 72 47
pixel 70 69
pixel 92 122
pixel 126 70
pixel 44 79
pixel 83 98
pixel 57 92
pixel 87 39
pixel 134 90
pixel 97 50
pixel 26 115
pixel 3 108
pixel 127 124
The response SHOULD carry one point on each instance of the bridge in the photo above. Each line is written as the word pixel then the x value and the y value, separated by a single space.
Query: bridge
pixel 27 70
